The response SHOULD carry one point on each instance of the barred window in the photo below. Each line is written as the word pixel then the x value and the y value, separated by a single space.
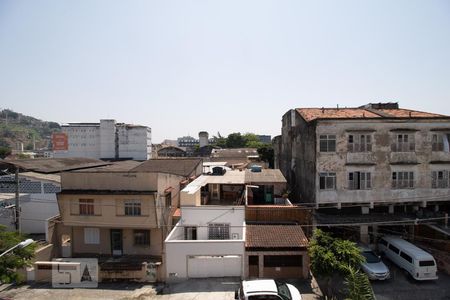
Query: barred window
pixel 440 179
pixel 404 142
pixel 86 207
pixel 327 143
pixel 132 208
pixel 402 180
pixel 359 143
pixel 359 180
pixel 437 142
pixel 327 181
pixel 141 237
pixel 218 231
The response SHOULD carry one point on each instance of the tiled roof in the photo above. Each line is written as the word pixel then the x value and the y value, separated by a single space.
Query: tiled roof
pixel 311 114
pixel 275 236
pixel 180 166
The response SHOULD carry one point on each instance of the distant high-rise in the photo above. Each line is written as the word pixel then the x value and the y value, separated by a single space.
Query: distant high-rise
pixel 104 140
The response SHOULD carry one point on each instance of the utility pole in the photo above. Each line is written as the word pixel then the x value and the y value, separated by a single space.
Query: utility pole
pixel 17 209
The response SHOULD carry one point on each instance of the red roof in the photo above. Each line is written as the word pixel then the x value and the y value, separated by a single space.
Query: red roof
pixel 275 236
pixel 311 114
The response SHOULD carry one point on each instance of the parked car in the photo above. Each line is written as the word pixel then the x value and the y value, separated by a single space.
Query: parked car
pixel 417 262
pixel 266 289
pixel 373 266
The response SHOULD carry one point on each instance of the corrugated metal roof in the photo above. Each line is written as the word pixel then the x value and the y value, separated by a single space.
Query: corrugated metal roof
pixel 265 176
pixel 177 166
pixel 275 236
pixel 118 166
pixel 55 165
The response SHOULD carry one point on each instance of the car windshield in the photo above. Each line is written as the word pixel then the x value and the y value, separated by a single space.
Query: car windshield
pixel 371 258
pixel 283 290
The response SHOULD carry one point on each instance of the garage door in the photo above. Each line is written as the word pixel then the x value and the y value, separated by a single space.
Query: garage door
pixel 214 266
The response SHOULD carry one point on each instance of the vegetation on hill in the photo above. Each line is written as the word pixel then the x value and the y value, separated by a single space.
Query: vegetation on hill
pixel 18 128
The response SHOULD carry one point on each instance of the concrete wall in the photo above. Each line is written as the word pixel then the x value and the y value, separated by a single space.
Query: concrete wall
pixel 301 162
pixel 178 251
pixel 381 162
pixel 35 208
pixel 104 247
pixel 134 142
pixel 108 211
pixel 202 216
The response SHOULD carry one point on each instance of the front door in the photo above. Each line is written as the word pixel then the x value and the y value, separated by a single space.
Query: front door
pixel 116 242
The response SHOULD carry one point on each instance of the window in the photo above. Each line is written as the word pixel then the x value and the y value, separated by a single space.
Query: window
pixel 404 143
pixel 218 231
pixel 92 236
pixel 402 180
pixel 190 233
pixel 168 199
pixel 440 142
pixel 141 237
pixel 440 179
pixel 86 207
pixel 359 180
pixel 360 143
pixel 132 208
pixel 426 263
pixel 328 143
pixel 393 248
pixel 406 257
pixel 327 181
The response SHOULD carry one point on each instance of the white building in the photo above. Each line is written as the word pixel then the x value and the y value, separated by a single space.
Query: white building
pixel 106 140
pixel 37 201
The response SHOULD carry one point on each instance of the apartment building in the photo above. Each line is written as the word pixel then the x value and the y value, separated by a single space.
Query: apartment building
pixel 105 140
pixel 369 159
pixel 121 214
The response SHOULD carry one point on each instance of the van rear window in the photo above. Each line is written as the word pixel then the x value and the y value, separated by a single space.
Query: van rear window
pixel 426 263
pixel 383 242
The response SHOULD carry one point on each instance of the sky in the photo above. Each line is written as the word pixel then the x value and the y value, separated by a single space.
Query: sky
pixel 181 67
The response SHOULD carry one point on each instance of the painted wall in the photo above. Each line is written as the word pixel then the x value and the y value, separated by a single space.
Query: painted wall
pixel 108 211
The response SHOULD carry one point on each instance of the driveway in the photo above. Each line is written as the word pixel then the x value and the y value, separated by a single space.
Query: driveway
pixel 401 286
pixel 198 289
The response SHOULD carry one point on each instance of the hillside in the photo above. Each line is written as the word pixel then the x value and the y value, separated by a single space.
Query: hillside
pixel 16 127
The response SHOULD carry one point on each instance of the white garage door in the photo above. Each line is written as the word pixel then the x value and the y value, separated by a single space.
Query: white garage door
pixel 214 266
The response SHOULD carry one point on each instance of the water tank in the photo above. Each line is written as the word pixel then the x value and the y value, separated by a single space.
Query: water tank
pixel 203 137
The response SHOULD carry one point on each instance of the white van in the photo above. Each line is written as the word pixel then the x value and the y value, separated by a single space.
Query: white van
pixel 417 262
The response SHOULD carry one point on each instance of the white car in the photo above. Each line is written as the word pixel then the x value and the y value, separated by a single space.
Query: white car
pixel 266 289
pixel 373 266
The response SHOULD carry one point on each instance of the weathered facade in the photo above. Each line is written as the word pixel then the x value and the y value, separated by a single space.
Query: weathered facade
pixel 374 156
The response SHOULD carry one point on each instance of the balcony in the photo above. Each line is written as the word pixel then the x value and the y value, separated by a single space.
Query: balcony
pixel 360 158
pixel 399 158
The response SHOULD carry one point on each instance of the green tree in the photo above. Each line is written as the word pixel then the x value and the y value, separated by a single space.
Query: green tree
pixel 358 285
pixel 18 258
pixel 333 256
pixel 4 152
pixel 266 153
pixel 235 140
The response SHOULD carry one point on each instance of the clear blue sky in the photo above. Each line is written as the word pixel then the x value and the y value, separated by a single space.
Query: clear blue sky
pixel 185 66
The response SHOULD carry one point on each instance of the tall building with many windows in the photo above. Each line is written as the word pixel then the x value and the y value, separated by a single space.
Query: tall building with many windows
pixel 377 158
pixel 104 140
